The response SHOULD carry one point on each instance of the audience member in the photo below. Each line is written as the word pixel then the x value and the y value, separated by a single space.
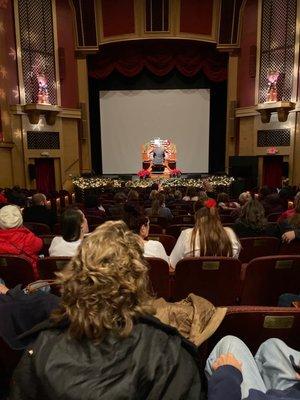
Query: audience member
pixel 290 227
pixel 207 238
pixel 140 225
pixel 103 340
pixel 39 211
pixel 224 203
pixel 74 226
pixel 117 209
pixel 287 299
pixel 234 374
pixel 159 209
pixel 273 204
pixel 15 238
pixel 289 213
pixel 92 205
pixel 191 194
pixel 3 198
pixel 16 196
pixel 252 221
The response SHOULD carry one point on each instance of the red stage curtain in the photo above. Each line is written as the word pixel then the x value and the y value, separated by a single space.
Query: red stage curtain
pixel 159 58
pixel 45 175
pixel 272 171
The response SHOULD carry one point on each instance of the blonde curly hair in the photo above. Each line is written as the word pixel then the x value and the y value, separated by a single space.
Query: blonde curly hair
pixel 105 286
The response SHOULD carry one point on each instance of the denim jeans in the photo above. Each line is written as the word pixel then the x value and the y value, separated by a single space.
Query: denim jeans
pixel 271 367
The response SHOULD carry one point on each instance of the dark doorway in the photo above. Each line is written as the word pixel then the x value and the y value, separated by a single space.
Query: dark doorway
pixel 45 175
pixel 272 171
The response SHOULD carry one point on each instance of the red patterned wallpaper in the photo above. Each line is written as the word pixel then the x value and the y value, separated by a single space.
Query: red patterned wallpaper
pixel 196 16
pixel 118 17
pixel 246 70
pixel 66 45
pixel 9 82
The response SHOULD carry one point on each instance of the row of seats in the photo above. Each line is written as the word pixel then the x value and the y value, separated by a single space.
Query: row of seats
pixel 250 247
pixel 221 280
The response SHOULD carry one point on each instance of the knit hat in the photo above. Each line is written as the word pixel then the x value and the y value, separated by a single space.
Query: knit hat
pixel 10 217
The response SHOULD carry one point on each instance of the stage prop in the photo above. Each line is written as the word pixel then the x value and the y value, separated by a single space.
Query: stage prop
pixel 159 156
pixel 96 185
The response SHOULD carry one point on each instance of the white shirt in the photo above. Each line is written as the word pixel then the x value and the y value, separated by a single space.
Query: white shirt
pixel 183 248
pixel 60 248
pixel 153 248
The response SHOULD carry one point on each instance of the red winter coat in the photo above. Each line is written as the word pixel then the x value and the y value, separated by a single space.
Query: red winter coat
pixel 21 241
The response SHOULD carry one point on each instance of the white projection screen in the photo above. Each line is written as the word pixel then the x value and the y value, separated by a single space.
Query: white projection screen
pixel 130 118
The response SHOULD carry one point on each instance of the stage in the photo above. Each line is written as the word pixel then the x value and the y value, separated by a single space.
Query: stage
pixel 85 186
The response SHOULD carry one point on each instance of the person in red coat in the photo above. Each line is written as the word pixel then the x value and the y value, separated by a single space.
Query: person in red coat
pixel 15 238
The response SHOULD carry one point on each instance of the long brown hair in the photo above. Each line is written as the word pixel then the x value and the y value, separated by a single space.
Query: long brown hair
pixel 105 286
pixel 208 235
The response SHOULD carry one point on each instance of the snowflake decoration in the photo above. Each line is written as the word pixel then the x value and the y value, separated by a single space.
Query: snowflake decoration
pixel 12 53
pixel 15 92
pixel 3 3
pixel 2 94
pixel 2 29
pixel 3 72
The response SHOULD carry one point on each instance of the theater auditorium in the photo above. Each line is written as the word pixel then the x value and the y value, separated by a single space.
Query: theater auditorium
pixel 149 199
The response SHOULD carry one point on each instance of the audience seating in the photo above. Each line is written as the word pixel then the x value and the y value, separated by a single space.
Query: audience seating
pixel 254 247
pixel 273 217
pixel 183 219
pixel 47 239
pixel 166 240
pixel 49 265
pixel 154 229
pixel 254 325
pixel 226 218
pixel 175 230
pixel 217 279
pixel 266 278
pixel 15 270
pixel 290 248
pixel 37 228
pixel 159 277
pixel 159 221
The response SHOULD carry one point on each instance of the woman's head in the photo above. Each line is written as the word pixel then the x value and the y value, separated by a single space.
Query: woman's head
pixel 74 225
pixel 105 286
pixel 253 214
pixel 209 236
pixel 137 222
pixel 133 195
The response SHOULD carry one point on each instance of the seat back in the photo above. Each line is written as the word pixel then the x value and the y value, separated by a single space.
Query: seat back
pixel 166 240
pixel 15 270
pixel 159 277
pixel 37 228
pixel 154 229
pixel 175 230
pixel 254 247
pixel 49 265
pixel 217 279
pixel 266 278
pixel 273 217
pixel 47 239
pixel 290 248
pixel 226 218
pixel 254 325
pixel 183 219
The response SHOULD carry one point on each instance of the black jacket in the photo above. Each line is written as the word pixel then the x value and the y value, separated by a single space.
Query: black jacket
pixel 154 362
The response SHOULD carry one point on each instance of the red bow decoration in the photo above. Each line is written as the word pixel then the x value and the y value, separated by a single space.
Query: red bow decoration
pixel 210 203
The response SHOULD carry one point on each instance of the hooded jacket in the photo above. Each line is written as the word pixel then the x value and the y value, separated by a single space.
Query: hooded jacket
pixel 21 242
pixel 154 362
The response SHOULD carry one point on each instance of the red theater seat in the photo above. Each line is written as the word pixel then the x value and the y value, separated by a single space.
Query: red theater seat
pixel 254 247
pixel 266 278
pixel 217 279
pixel 15 270
pixel 159 277
pixel 166 240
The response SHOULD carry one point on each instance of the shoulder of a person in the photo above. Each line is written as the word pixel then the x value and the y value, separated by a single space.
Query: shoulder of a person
pixel 229 231
pixel 154 243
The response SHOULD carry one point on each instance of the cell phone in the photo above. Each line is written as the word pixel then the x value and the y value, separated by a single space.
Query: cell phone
pixel 294 365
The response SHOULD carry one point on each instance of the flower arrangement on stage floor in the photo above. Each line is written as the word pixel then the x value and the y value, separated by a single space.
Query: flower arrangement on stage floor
pixel 143 174
pixel 175 173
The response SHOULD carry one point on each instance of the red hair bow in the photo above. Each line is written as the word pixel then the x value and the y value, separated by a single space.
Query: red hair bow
pixel 210 203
